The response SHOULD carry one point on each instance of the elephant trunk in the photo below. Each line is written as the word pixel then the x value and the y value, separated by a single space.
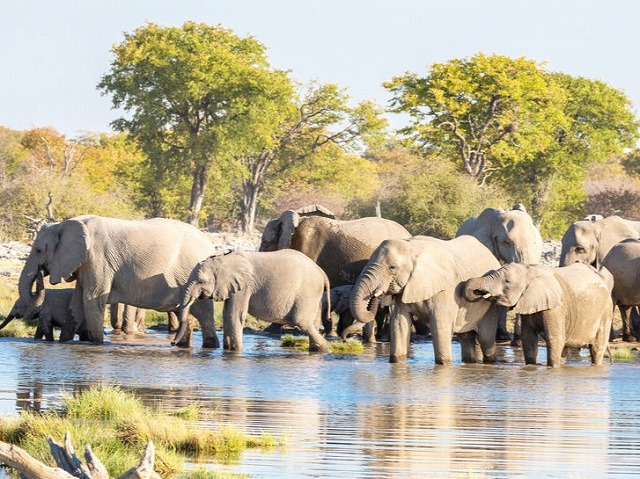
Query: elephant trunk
pixel 28 276
pixel 188 298
pixel 365 298
pixel 476 289
pixel 7 320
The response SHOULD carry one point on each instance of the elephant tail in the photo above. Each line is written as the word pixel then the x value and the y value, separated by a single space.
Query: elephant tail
pixel 327 295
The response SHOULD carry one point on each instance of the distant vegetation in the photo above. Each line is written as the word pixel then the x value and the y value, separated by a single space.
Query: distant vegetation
pixel 221 139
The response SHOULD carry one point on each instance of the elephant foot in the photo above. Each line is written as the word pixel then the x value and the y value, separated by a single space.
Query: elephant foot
pixel 398 358
pixel 502 335
pixel 516 343
pixel 212 343
pixel 629 338
pixel 116 331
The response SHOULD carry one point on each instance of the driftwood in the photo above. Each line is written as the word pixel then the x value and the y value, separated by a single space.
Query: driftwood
pixel 69 466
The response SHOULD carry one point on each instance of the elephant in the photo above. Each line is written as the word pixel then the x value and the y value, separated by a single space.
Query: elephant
pixel 590 240
pixel 423 277
pixel 143 263
pixel 623 261
pixel 340 248
pixel 569 306
pixel 127 319
pixel 284 287
pixel 50 307
pixel 512 237
pixel 340 297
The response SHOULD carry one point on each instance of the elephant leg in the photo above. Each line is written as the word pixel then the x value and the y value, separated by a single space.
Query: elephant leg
pixel 129 319
pixel 601 343
pixel 502 334
pixel 625 312
pixel 369 333
pixel 116 314
pixel 67 330
pixel 516 342
pixel 400 334
pixel 234 313
pixel 468 343
pixel 555 338
pixel 329 325
pixel 487 334
pixel 529 338
pixel 202 310
pixel 94 319
pixel 317 343
pixel 382 323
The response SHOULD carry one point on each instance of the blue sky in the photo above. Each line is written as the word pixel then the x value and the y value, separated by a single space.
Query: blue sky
pixel 55 52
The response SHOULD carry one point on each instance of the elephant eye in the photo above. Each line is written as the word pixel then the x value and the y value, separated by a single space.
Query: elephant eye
pixel 392 267
pixel 580 250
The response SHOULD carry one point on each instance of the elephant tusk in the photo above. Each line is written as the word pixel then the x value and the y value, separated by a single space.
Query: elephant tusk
pixel 486 295
pixel 377 294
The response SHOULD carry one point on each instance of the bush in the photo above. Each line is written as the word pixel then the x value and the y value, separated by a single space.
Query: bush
pixel 616 195
pixel 433 198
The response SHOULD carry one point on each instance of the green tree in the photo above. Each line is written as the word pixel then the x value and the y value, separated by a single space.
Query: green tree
pixel 484 112
pixel 193 93
pixel 511 123
pixel 303 141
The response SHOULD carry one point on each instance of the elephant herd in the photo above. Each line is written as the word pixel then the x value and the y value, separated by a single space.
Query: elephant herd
pixel 370 271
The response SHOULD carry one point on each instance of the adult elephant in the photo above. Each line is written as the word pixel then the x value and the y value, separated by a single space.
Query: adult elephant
pixel 140 263
pixel 423 276
pixel 590 241
pixel 340 247
pixel 512 237
pixel 623 261
pixel 569 306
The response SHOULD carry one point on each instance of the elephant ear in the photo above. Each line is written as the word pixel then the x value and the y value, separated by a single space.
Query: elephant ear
pixel 543 292
pixel 69 250
pixel 233 273
pixel 289 220
pixel 431 274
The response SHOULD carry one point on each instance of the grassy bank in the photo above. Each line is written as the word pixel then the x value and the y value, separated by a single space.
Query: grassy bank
pixel 117 426
pixel 301 343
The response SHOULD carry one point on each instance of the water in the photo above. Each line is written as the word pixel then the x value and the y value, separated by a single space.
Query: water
pixel 361 417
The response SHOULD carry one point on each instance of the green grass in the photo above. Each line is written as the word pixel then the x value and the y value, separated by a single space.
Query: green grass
pixel 621 353
pixel 118 426
pixel 301 343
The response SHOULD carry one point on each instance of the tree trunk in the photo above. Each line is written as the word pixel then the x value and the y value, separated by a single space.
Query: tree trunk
pixel 197 194
pixel 250 192
pixel 69 466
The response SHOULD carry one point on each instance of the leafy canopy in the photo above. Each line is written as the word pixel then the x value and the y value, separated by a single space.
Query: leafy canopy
pixel 194 93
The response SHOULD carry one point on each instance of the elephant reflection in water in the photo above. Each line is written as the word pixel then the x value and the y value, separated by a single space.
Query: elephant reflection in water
pixel 454 419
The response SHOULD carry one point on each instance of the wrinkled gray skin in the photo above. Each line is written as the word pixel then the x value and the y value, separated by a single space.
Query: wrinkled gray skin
pixel 623 261
pixel 140 263
pixel 569 306
pixel 512 237
pixel 589 241
pixel 283 287
pixel 340 305
pixel 423 276
pixel 340 248
pixel 50 307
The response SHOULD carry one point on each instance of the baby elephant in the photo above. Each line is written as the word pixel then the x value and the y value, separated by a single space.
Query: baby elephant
pixel 569 306
pixel 284 287
pixel 51 307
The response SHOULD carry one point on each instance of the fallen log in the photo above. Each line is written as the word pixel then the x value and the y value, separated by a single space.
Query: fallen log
pixel 69 466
